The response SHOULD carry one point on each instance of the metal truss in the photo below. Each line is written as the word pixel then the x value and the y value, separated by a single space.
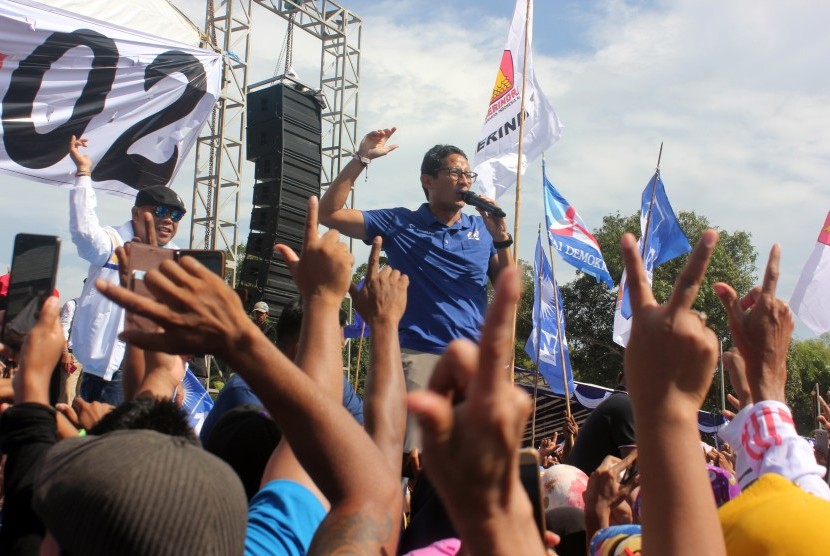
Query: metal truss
pixel 220 153
pixel 339 31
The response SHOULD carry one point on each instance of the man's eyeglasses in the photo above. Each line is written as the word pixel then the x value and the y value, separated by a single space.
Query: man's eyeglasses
pixel 163 211
pixel 457 174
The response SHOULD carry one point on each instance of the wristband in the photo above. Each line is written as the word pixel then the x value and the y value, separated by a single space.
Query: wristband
pixel 504 244
pixel 83 173
pixel 362 159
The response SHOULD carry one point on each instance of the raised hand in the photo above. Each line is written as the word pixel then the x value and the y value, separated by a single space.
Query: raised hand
pixel 669 365
pixel 373 145
pixel 477 473
pixel 197 310
pixel 604 490
pixel 383 295
pixel 325 269
pixel 672 354
pixel 548 446
pixel 39 355
pixel 82 162
pixel 761 326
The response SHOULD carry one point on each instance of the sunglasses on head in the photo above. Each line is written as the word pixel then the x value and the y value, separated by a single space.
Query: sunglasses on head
pixel 163 211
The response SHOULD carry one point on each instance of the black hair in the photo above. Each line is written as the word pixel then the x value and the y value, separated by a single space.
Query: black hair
pixel 290 322
pixel 147 412
pixel 434 156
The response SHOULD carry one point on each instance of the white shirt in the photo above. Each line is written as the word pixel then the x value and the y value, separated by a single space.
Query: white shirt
pixel 67 314
pixel 764 438
pixel 98 321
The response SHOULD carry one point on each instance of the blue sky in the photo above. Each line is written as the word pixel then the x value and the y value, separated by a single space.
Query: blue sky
pixel 738 92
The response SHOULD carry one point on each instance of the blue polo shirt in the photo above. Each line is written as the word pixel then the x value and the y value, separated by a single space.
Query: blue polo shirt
pixel 447 269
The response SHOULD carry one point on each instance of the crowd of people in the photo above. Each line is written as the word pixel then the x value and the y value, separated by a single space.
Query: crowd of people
pixel 290 463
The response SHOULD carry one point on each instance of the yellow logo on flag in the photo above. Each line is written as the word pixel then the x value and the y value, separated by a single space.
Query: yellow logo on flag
pixel 504 77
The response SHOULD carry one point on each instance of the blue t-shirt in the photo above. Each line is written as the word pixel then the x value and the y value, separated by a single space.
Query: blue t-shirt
pixel 447 268
pixel 236 393
pixel 282 519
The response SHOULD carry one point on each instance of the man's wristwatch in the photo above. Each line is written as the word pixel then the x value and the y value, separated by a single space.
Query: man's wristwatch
pixel 503 244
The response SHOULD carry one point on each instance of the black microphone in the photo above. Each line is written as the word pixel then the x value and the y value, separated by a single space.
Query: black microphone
pixel 472 198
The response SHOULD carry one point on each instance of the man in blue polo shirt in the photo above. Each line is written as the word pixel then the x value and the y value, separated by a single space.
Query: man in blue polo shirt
pixel 448 255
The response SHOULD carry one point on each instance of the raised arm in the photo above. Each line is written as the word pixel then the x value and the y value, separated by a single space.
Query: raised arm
pixel 323 275
pixel 761 326
pixel 28 430
pixel 333 213
pixel 668 369
pixel 92 241
pixel 382 302
pixel 473 420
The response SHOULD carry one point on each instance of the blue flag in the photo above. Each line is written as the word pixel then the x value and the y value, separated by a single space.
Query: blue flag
pixel 568 234
pixel 197 403
pixel 664 240
pixel 545 325
pixel 356 329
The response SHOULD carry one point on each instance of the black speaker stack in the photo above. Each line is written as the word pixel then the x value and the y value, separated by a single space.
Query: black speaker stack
pixel 284 142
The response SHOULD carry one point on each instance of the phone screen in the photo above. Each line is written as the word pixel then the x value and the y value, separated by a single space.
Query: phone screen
pixel 143 258
pixel 532 481
pixel 32 280
pixel 214 260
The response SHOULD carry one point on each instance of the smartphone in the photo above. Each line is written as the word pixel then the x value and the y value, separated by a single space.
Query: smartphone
pixel 822 442
pixel 531 478
pixel 629 473
pixel 32 281
pixel 143 258
pixel 213 259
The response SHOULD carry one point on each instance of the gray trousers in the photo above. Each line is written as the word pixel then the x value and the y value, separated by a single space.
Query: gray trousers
pixel 417 369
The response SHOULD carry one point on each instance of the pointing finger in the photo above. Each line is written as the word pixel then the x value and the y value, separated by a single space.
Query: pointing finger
pixel 374 258
pixel 688 282
pixel 497 332
pixel 311 234
pixel 639 290
pixel 771 273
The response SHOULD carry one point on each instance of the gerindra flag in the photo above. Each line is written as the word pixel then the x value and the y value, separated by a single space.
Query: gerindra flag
pixel 497 150
pixel 546 321
pixel 139 99
pixel 664 240
pixel 569 236
pixel 811 297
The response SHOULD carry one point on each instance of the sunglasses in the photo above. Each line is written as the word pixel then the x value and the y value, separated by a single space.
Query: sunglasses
pixel 163 211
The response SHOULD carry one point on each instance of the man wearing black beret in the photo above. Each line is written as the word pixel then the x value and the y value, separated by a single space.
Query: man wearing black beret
pixel 98 321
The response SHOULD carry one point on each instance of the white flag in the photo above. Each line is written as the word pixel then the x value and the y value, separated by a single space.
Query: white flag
pixel 139 99
pixel 811 297
pixel 496 157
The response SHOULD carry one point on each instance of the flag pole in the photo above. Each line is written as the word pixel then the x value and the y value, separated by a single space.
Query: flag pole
pixel 521 136
pixel 518 203
pixel 722 382
pixel 359 351
pixel 651 202
pixel 538 327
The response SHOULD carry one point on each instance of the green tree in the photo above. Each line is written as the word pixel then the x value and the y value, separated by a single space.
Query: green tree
pixel 808 364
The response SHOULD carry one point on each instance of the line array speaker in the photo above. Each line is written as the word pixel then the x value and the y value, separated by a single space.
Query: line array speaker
pixel 283 139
